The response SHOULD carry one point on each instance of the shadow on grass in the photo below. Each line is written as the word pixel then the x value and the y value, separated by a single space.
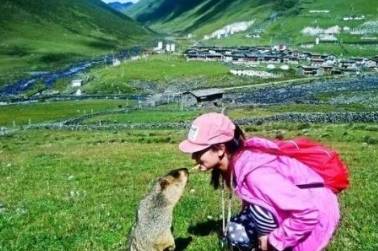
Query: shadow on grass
pixel 206 228
pixel 182 243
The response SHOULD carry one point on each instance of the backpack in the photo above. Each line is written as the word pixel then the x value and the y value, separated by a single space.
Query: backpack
pixel 322 160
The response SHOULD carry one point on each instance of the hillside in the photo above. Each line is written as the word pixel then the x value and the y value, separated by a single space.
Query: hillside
pixel 270 21
pixel 39 35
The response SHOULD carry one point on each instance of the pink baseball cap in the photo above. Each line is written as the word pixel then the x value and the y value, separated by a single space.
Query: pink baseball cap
pixel 206 130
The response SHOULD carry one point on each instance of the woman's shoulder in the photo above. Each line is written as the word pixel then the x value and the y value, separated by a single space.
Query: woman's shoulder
pixel 249 156
pixel 248 161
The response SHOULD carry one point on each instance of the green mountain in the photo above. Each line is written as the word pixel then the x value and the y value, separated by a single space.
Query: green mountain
pixel 273 21
pixel 181 15
pixel 37 35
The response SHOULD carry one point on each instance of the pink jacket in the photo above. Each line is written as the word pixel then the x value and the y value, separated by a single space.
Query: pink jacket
pixel 307 218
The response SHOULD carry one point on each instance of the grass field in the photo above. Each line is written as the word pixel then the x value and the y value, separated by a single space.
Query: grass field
pixel 17 115
pixel 162 72
pixel 145 117
pixel 67 190
pixel 176 115
pixel 78 190
pixel 157 70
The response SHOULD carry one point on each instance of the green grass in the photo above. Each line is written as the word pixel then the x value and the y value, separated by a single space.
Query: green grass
pixel 40 35
pixel 18 115
pixel 174 114
pixel 157 70
pixel 65 190
pixel 160 72
pixel 145 116
pixel 248 112
pixel 78 190
pixel 52 111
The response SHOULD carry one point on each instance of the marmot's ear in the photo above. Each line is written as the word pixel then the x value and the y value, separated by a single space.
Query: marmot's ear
pixel 163 183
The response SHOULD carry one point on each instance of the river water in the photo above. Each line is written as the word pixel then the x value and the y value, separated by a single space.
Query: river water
pixel 49 78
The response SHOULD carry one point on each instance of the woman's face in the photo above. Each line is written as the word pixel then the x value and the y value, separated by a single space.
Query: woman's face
pixel 208 159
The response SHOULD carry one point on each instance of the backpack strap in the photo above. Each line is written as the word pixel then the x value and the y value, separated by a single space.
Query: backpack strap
pixel 311 185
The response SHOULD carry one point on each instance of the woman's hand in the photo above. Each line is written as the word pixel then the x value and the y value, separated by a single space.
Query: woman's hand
pixel 263 243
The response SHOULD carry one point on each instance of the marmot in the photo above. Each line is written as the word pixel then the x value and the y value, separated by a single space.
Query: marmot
pixel 152 230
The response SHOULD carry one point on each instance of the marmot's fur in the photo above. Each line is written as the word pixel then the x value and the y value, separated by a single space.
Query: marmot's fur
pixel 152 230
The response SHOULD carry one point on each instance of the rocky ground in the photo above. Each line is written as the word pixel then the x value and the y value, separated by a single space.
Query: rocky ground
pixel 305 93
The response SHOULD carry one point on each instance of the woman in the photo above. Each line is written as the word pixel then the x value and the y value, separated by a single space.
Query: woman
pixel 283 215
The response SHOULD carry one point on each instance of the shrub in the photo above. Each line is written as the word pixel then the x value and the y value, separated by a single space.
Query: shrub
pixel 370 140
pixel 251 129
pixel 372 128
pixel 303 126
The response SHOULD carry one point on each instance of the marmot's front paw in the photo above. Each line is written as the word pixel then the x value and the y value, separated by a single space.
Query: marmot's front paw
pixel 170 248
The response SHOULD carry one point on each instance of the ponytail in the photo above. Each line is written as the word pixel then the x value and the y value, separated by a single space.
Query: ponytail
pixel 232 147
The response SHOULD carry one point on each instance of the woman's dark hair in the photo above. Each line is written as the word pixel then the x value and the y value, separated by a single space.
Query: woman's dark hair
pixel 232 147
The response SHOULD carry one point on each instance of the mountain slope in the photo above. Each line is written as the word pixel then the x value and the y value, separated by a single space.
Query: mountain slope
pixel 274 21
pixel 196 15
pixel 39 34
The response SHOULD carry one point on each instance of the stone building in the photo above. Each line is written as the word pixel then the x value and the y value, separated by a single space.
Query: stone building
pixel 205 97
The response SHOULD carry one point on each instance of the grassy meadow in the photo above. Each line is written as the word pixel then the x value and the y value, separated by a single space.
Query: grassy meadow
pixel 17 115
pixel 155 71
pixel 79 190
pixel 170 72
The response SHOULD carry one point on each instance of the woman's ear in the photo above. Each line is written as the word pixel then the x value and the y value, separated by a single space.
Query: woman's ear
pixel 221 151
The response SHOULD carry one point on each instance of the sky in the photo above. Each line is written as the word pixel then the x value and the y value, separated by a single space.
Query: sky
pixel 121 1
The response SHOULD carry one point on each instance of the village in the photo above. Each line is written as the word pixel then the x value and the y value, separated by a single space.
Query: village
pixel 280 56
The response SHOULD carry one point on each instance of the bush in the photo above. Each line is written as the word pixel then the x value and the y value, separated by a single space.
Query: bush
pixel 370 140
pixel 303 126
pixel 251 129
pixel 372 128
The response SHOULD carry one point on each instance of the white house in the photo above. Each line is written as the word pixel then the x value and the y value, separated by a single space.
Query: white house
pixel 159 47
pixel 318 11
pixel 284 67
pixel 76 82
pixel 168 47
pixel 173 47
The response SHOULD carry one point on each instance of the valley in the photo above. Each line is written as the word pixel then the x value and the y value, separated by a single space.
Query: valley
pixel 95 98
